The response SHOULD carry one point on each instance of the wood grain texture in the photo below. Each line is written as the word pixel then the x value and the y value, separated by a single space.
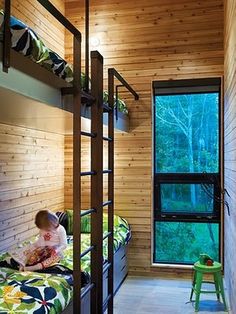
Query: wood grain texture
pixel 35 16
pixel 85 166
pixel 146 41
pixel 31 178
pixel 230 147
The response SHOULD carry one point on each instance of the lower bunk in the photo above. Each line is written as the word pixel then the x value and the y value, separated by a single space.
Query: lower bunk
pixel 39 293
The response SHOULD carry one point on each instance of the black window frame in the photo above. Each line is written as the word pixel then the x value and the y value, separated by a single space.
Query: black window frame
pixel 172 178
pixel 178 87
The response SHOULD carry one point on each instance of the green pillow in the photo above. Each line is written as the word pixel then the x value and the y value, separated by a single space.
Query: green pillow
pixel 85 222
pixel 119 223
pixel 69 213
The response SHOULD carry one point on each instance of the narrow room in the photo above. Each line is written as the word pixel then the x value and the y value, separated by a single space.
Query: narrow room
pixel 117 156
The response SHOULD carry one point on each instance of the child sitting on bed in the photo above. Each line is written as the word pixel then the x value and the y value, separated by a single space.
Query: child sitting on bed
pixel 47 250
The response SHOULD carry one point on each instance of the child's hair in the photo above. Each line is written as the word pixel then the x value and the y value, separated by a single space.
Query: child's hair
pixel 46 219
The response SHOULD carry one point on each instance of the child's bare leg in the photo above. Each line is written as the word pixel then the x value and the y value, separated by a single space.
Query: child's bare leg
pixel 38 266
pixel 45 264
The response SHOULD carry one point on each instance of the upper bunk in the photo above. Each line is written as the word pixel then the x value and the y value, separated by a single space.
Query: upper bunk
pixel 36 85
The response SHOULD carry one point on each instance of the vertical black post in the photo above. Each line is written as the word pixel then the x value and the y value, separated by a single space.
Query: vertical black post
pixel 111 188
pixel 6 36
pixel 76 175
pixel 97 182
pixel 116 103
pixel 86 45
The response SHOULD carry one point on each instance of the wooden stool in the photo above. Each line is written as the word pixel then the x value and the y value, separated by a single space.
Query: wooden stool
pixel 199 271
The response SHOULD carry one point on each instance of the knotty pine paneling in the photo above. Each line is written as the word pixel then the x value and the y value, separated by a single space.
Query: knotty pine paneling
pixel 146 41
pixel 230 148
pixel 31 178
pixel 42 22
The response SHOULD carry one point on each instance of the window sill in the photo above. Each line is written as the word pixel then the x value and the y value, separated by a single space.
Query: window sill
pixel 173 266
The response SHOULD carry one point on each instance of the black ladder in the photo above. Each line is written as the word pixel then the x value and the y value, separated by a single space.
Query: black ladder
pixel 98 305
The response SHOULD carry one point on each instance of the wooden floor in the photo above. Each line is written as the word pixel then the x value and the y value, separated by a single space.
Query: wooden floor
pixel 140 295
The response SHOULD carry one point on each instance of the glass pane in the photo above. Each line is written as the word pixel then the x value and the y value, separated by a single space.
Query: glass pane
pixel 183 242
pixel 188 198
pixel 186 133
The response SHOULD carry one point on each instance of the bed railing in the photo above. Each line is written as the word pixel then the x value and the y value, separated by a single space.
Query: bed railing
pixel 6 36
pixel 112 74
pixel 50 8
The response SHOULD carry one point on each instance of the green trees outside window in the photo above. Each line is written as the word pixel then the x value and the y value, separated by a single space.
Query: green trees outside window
pixel 186 130
pixel 187 133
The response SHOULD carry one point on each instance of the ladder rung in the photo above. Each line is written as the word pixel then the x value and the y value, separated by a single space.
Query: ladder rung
pixel 91 248
pixel 107 108
pixel 88 173
pixel 87 212
pixel 107 171
pixel 106 267
pixel 88 134
pixel 108 234
pixel 106 302
pixel 87 289
pixel 107 138
pixel 106 203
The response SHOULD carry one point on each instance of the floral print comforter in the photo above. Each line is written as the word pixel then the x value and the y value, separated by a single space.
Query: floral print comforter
pixel 33 293
pixel 37 293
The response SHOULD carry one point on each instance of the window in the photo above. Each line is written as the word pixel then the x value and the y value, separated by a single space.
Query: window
pixel 186 170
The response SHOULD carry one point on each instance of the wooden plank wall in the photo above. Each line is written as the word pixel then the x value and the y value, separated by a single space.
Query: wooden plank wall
pixel 31 178
pixel 230 148
pixel 31 162
pixel 146 41
pixel 35 16
pixel 85 164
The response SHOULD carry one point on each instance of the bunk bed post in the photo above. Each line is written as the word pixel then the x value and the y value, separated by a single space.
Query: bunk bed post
pixel 111 189
pixel 97 182
pixel 86 45
pixel 6 36
pixel 76 175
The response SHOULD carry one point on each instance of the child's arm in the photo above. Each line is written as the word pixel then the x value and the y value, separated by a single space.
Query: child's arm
pixel 38 243
pixel 63 241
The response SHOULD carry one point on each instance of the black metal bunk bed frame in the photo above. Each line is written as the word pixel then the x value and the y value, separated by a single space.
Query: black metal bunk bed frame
pixel 95 100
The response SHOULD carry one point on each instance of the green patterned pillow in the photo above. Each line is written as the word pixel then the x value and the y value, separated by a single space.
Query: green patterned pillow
pixel 69 213
pixel 119 223
pixel 85 222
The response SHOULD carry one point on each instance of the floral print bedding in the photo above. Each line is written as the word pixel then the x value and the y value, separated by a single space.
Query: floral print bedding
pixel 33 293
pixel 27 42
pixel 38 293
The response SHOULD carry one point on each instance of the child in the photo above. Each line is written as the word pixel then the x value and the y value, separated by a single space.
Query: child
pixel 48 249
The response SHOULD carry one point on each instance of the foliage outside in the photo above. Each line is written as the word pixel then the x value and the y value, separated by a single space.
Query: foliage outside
pixel 186 141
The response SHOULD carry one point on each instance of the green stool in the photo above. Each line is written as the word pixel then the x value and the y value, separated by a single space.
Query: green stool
pixel 199 271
